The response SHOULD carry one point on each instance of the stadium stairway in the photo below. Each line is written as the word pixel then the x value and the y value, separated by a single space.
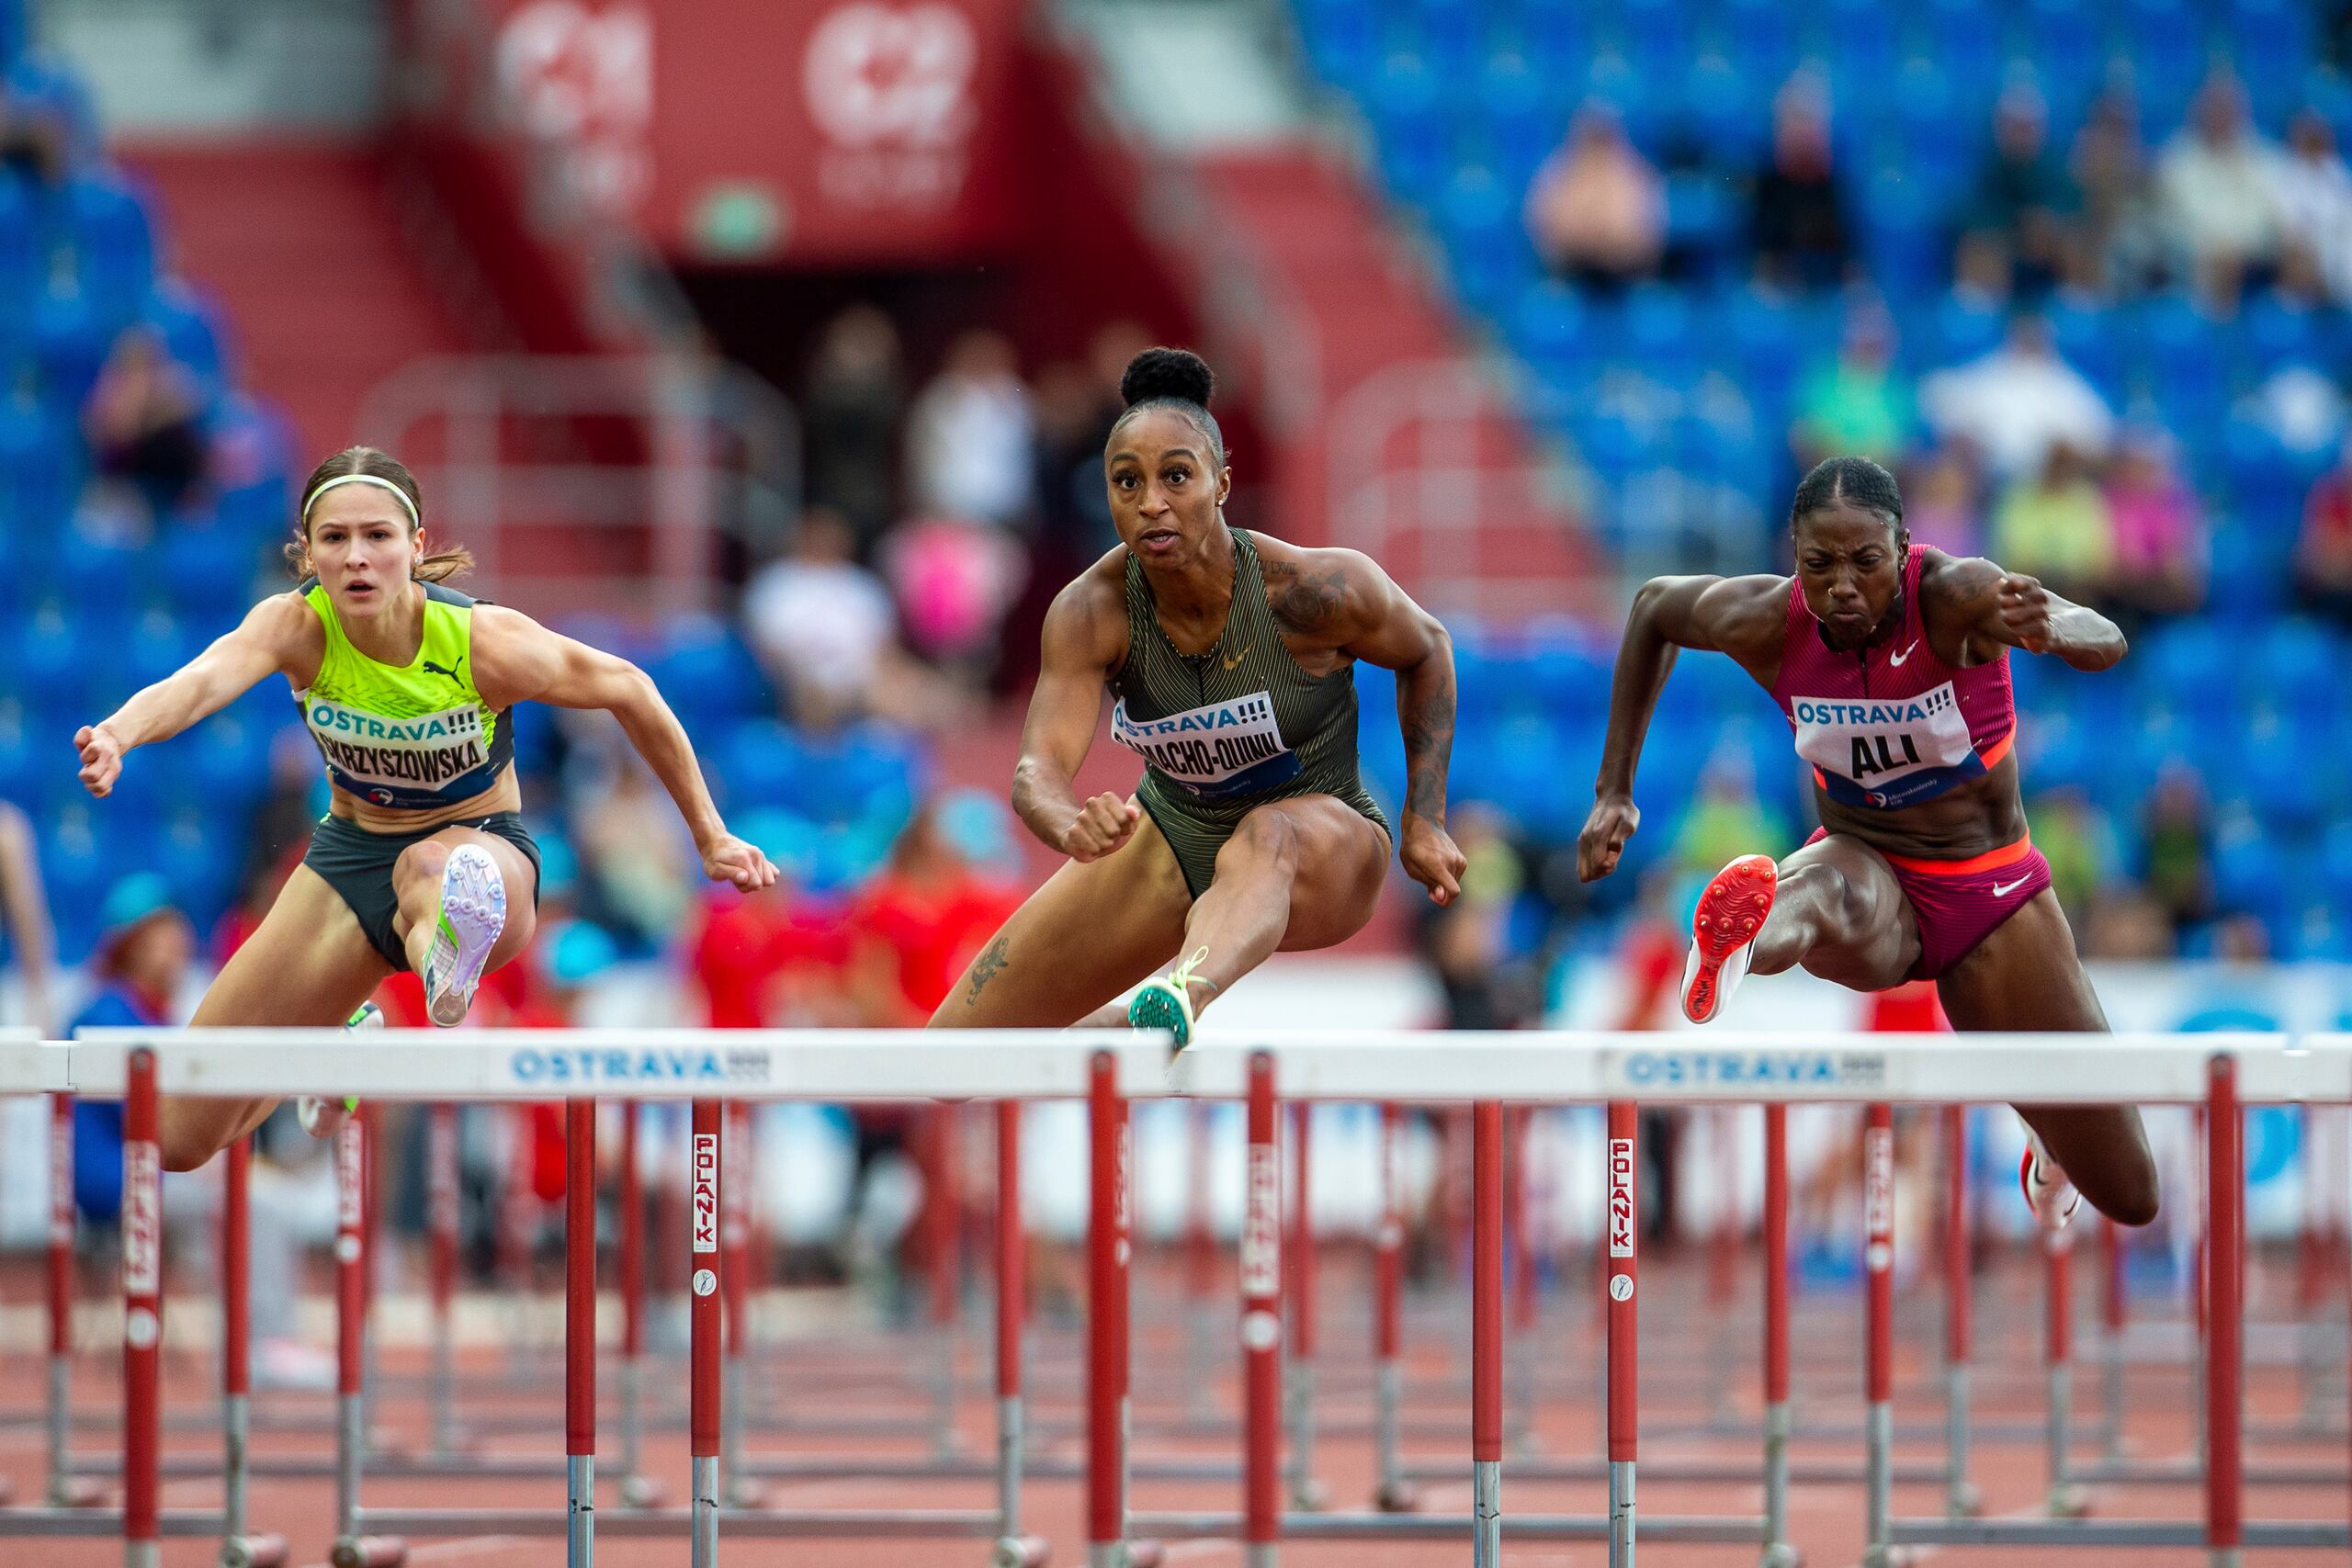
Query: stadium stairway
pixel 286 238
pixel 1325 238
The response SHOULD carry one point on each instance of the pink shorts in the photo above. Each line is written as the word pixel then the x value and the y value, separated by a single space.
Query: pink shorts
pixel 1959 903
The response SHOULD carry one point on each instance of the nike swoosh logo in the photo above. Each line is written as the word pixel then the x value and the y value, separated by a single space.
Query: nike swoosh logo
pixel 1895 659
pixel 2003 889
pixel 1238 657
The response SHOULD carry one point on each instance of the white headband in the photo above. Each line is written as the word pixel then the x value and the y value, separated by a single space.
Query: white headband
pixel 312 499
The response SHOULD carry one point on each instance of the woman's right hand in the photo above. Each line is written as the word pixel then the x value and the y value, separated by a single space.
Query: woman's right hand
pixel 101 757
pixel 1102 825
pixel 1613 819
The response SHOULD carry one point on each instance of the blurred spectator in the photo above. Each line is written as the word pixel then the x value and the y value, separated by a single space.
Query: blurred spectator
pixel 1726 820
pixel 2016 402
pixel 769 961
pixel 2126 923
pixel 141 963
pixel 953 878
pixel 2177 839
pixel 971 435
pixel 850 421
pixel 1802 239
pixel 2218 198
pixel 954 581
pixel 1468 943
pixel 2314 193
pixel 24 912
pixel 821 624
pixel 2071 835
pixel 2160 543
pixel 1857 404
pixel 2056 527
pixel 1940 508
pixel 2115 245
pixel 638 870
pixel 2324 549
pixel 1596 210
pixel 2022 199
pixel 144 422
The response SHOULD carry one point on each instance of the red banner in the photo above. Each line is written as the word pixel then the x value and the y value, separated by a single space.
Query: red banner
pixel 804 132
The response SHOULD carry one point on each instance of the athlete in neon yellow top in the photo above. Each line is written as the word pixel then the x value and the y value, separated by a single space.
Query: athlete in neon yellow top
pixel 422 862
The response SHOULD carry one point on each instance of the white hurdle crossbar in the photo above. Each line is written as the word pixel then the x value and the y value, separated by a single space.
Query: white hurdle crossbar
pixel 2220 1071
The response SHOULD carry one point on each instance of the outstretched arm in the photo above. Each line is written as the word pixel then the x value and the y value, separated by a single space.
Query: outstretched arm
pixel 517 660
pixel 2014 610
pixel 1082 641
pixel 266 642
pixel 1710 614
pixel 1381 625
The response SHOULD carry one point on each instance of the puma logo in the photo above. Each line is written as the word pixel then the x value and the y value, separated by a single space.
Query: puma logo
pixel 1236 659
pixel 432 668
pixel 1894 661
pixel 2003 889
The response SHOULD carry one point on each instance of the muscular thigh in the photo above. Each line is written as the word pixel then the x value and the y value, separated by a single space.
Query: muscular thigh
pixel 1342 858
pixel 308 965
pixel 2025 976
pixel 1877 932
pixel 1088 934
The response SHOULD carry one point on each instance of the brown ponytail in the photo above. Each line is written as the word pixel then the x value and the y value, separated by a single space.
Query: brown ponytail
pixel 439 566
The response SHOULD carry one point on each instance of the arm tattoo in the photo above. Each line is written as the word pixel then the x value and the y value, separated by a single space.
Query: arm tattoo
pixel 1305 602
pixel 988 966
pixel 1425 715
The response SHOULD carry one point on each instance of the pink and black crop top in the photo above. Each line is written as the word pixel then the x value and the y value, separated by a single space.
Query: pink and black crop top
pixel 1890 725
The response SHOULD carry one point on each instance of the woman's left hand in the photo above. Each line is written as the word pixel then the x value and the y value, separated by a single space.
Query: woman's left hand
pixel 728 859
pixel 1431 859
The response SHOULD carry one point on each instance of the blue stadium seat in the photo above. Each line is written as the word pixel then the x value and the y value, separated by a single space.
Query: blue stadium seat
pixel 706 672
pixel 207 569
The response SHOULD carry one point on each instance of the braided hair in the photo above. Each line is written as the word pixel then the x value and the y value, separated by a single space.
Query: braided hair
pixel 1856 481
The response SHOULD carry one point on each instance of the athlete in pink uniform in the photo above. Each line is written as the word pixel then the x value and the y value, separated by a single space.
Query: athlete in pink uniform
pixel 1891 663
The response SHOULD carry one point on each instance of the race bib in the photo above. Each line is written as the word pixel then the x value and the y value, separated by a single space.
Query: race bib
pixel 1216 752
pixel 1880 742
pixel 396 755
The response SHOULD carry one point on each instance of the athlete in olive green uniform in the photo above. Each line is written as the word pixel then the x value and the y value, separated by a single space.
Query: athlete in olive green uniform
pixel 406 685
pixel 1230 659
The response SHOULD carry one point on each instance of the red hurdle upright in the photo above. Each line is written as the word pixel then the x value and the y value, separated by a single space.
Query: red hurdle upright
pixel 704 1326
pixel 580 1328
pixel 142 1321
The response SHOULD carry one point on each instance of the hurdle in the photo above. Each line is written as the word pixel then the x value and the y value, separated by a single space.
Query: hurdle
pixel 2221 1072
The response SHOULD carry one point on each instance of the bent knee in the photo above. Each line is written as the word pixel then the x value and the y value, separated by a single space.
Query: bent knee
pixel 424 859
pixel 1263 841
pixel 186 1148
pixel 2134 1202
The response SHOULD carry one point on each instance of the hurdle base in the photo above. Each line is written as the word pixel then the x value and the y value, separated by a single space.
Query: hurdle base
pixel 1781 1554
pixel 743 1492
pixel 253 1552
pixel 1020 1551
pixel 73 1492
pixel 2068 1500
pixel 640 1492
pixel 1395 1497
pixel 369 1552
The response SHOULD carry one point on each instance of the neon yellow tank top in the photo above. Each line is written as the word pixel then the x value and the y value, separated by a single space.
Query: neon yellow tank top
pixel 411 739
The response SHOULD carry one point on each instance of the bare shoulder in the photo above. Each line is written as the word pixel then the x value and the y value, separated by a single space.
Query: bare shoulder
pixel 1949 580
pixel 1742 614
pixel 286 623
pixel 1320 593
pixel 1088 619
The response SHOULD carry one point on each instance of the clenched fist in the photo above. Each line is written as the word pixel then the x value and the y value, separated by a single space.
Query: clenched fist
pixel 1101 826
pixel 1613 819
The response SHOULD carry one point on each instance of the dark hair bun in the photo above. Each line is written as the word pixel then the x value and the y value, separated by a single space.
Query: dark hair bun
pixel 1177 373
